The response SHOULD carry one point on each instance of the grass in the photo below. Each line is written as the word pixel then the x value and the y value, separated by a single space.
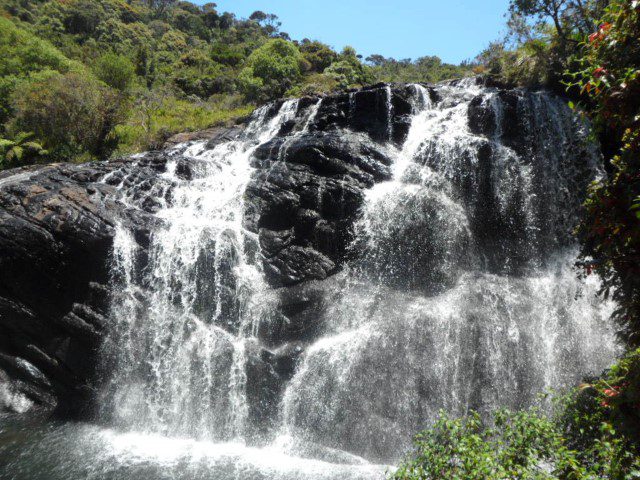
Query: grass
pixel 149 127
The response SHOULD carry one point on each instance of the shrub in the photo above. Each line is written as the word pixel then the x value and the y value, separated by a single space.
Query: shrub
pixel 70 113
pixel 117 71
pixel 316 84
pixel 319 55
pixel 525 445
pixel 21 150
pixel 348 71
pixel 271 70
pixel 609 80
pixel 24 54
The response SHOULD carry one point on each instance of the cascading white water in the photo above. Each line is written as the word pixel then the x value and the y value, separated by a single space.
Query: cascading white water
pixel 178 349
pixel 462 294
pixel 426 322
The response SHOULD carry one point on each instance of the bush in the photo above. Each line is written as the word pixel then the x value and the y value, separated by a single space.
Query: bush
pixel 608 78
pixel 348 71
pixel 22 55
pixel 516 445
pixel 519 445
pixel 70 113
pixel 117 71
pixel 592 433
pixel 316 84
pixel 319 55
pixel 531 64
pixel 271 70
pixel 83 17
pixel 21 150
pixel 158 114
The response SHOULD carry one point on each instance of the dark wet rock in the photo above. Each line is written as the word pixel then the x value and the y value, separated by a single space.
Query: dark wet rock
pixel 301 309
pixel 56 232
pixel 264 387
pixel 304 198
pixel 267 373
pixel 482 118
pixel 367 111
pixel 294 264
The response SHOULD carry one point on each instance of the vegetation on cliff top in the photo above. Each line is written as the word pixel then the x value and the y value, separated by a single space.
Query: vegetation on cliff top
pixel 137 71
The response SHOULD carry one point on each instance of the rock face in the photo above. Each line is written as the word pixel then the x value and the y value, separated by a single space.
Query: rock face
pixel 304 197
pixel 56 232
pixel 57 227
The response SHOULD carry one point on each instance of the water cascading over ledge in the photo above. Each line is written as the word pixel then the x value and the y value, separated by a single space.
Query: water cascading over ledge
pixel 323 282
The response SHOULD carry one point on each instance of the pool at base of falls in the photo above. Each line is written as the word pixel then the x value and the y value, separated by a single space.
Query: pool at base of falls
pixel 41 450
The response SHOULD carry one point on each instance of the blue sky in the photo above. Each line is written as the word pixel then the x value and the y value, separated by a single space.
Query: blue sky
pixel 452 29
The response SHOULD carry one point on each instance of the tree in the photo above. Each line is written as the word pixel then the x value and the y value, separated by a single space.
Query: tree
pixel 210 15
pixel 71 113
pixel 268 20
pixel 226 21
pixel 258 16
pixel 376 60
pixel 117 71
pixel 160 7
pixel 84 16
pixel 567 16
pixel 271 70
pixel 348 70
pixel 552 9
pixel 319 55
pixel 23 54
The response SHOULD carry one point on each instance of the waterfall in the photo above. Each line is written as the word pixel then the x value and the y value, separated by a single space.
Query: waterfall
pixel 178 349
pixel 434 315
pixel 459 292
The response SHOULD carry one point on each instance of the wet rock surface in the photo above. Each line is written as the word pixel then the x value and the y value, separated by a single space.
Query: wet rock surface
pixel 56 232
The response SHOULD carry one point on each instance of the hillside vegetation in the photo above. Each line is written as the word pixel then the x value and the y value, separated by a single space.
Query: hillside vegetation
pixel 84 79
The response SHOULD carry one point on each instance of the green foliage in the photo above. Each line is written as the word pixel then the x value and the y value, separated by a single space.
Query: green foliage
pixel 23 55
pixel 317 54
pixel 543 38
pixel 525 445
pixel 592 433
pixel 315 84
pixel 424 69
pixel 608 78
pixel 522 445
pixel 531 64
pixel 156 115
pixel 570 18
pixel 70 113
pixel 348 71
pixel 209 65
pixel 20 150
pixel 612 399
pixel 271 70
pixel 117 71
